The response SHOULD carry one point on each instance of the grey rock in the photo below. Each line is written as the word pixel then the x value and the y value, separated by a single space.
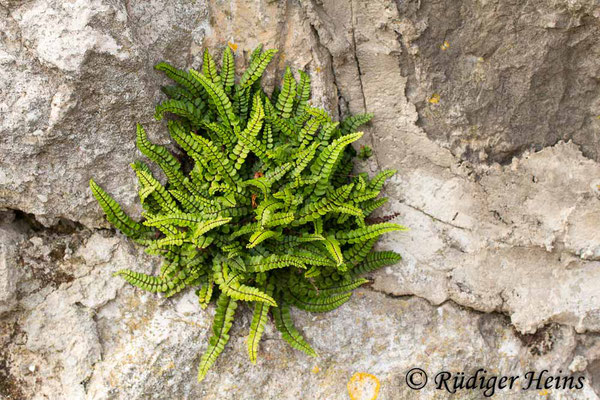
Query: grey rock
pixel 498 180
pixel 10 269
pixel 510 75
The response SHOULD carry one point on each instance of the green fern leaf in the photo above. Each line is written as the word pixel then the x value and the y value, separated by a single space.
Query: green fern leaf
pixel 115 214
pixel 285 100
pixel 303 93
pixel 376 260
pixel 228 69
pixel 257 326
pixel 160 155
pixel 181 108
pixel 274 261
pixel 259 237
pixel 219 98
pixel 368 232
pixel 230 285
pixel 284 324
pixel 359 251
pixel 256 68
pixel 352 123
pixel 183 78
pixel 333 247
pixel 145 282
pixel 318 304
pixel 260 202
pixel 221 325
pixel 209 68
pixel 206 226
pixel 325 164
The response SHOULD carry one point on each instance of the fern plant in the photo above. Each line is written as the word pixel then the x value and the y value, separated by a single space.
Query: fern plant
pixel 264 210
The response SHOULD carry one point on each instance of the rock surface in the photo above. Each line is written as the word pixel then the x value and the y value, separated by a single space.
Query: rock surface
pixel 489 112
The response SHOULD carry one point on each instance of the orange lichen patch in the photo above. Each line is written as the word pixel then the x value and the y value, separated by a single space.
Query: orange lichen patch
pixel 363 386
pixel 445 45
pixel 316 369
pixel 232 46
pixel 434 98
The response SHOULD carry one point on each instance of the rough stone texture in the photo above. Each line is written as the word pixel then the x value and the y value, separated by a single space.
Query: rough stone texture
pixel 488 110
pixel 10 271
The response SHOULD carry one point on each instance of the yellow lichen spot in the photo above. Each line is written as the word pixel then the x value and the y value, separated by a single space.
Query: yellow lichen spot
pixel 363 386
pixel 480 59
pixel 544 392
pixel 318 69
pixel 316 369
pixel 434 98
pixel 232 46
pixel 445 45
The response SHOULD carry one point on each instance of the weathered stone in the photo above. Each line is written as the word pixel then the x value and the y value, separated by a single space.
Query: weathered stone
pixel 10 270
pixel 489 123
pixel 508 75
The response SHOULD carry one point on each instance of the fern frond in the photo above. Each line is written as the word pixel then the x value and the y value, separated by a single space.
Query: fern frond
pixel 314 211
pixel 319 114
pixel 376 260
pixel 359 251
pixel 216 157
pixel 114 213
pixel 260 205
pixel 209 68
pixel 160 155
pixel 333 247
pixel 377 182
pixel 225 136
pixel 206 226
pixel 178 219
pixel 221 325
pixel 183 78
pixel 160 194
pixel 337 288
pixel 257 326
pixel 303 93
pixel 285 325
pixel 328 159
pixel 307 133
pixel 368 232
pixel 219 98
pixel 205 292
pixel 318 304
pixel 369 206
pixel 352 123
pixel 145 282
pixel 177 92
pixel 285 100
pixel 181 108
pixel 274 261
pixel 228 69
pixel 259 237
pixel 248 136
pixel 256 68
pixel 231 286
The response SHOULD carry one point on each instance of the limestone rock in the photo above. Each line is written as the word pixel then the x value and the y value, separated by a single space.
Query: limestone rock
pixel 10 269
pixel 488 110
